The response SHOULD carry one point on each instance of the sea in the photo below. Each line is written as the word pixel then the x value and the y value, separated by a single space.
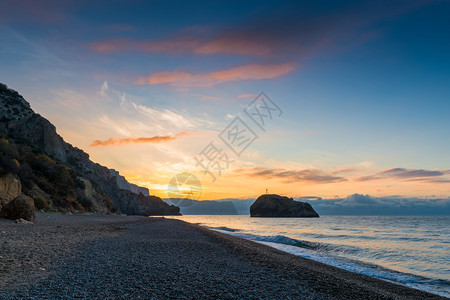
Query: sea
pixel 408 250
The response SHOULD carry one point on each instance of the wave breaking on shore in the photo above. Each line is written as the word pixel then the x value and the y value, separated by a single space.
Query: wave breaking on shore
pixel 318 252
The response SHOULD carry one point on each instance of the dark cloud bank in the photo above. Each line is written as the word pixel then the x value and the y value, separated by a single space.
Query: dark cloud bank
pixel 358 204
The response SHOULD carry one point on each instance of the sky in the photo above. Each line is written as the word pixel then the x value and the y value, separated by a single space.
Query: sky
pixel 302 98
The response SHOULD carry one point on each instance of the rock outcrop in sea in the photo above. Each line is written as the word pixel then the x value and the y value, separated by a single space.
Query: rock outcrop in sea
pixel 271 205
pixel 37 162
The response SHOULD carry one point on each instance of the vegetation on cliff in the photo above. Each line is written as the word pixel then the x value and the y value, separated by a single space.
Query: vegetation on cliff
pixel 57 175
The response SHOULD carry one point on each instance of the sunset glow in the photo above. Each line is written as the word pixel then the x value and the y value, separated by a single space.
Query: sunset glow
pixel 363 89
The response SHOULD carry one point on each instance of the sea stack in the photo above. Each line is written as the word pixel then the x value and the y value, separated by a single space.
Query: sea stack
pixel 276 206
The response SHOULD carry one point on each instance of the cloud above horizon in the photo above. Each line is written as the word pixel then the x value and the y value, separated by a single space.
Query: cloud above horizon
pixel 209 79
pixel 408 175
pixel 247 95
pixel 321 176
pixel 291 176
pixel 359 204
pixel 140 140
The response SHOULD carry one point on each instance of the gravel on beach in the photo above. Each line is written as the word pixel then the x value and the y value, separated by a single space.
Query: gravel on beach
pixel 134 257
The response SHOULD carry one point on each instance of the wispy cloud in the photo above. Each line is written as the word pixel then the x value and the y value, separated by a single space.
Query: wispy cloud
pixel 346 171
pixel 166 115
pixel 410 173
pixel 104 88
pixel 175 46
pixel 48 11
pixel 292 176
pixel 209 79
pixel 247 95
pixel 140 140
pixel 285 31
pixel 164 77
pixel 404 174
pixel 206 97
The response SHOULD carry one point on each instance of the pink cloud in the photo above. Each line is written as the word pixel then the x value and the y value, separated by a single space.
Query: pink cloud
pixel 208 79
pixel 247 96
pixel 234 45
pixel 222 45
pixel 404 174
pixel 291 176
pixel 287 32
pixel 206 97
pixel 164 77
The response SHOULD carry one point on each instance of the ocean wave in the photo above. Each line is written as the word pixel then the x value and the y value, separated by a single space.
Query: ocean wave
pixel 279 239
pixel 422 283
pixel 319 252
pixel 224 228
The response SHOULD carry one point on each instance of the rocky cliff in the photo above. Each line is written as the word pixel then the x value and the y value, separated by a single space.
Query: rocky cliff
pixel 271 205
pixel 57 175
pixel 10 186
pixel 124 184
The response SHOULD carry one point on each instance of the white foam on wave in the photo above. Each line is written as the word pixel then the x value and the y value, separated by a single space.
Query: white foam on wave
pixel 295 247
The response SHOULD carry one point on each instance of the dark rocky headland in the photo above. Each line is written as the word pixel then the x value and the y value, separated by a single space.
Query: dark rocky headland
pixel 276 206
pixel 36 162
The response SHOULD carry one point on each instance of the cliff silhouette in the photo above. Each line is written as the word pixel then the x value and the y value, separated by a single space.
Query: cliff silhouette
pixel 36 160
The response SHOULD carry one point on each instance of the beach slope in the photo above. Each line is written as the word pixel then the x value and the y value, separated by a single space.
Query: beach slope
pixel 75 256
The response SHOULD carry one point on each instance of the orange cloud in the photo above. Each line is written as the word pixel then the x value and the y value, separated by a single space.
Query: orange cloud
pixel 141 140
pixel 234 45
pixel 245 72
pixel 164 77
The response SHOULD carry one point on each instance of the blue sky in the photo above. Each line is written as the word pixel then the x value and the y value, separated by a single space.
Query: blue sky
pixel 364 87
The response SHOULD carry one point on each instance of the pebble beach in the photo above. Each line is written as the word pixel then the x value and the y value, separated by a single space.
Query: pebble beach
pixel 134 257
